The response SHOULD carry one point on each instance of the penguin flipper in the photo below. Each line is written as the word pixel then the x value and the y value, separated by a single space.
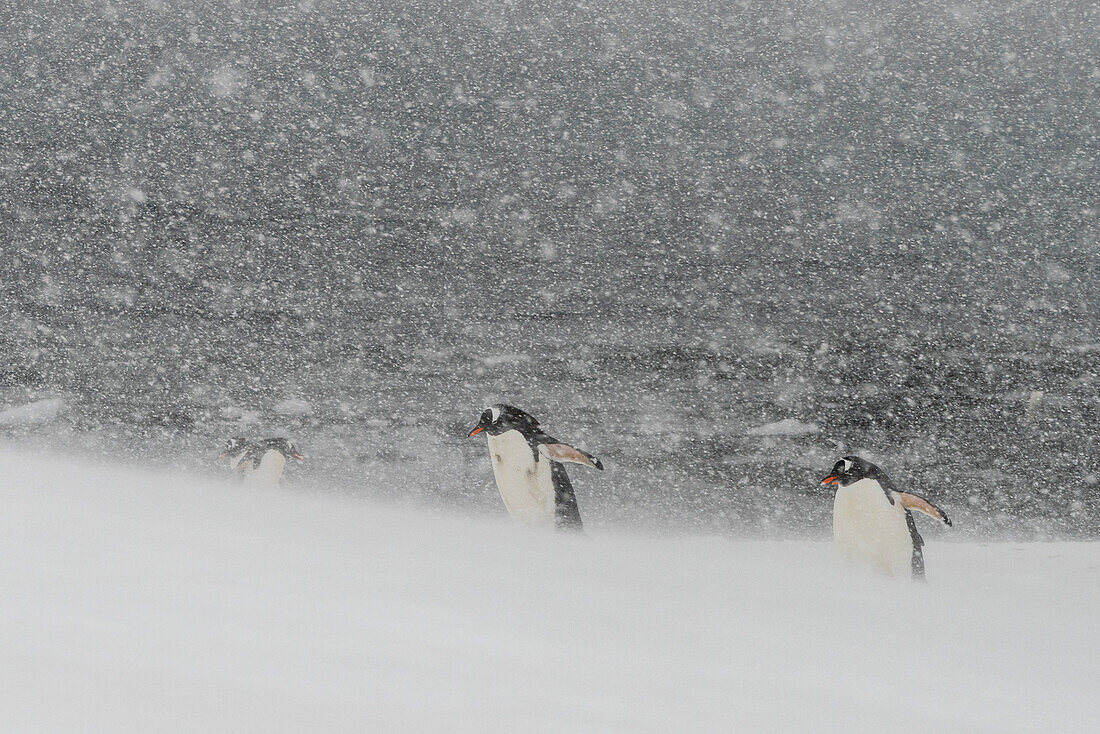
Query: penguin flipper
pixel 914 502
pixel 559 451
pixel 567 513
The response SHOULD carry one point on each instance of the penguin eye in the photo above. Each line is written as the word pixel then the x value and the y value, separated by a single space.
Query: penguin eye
pixel 487 416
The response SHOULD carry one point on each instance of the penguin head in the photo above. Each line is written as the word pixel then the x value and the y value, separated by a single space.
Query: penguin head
pixel 502 418
pixel 850 470
pixel 283 446
pixel 234 446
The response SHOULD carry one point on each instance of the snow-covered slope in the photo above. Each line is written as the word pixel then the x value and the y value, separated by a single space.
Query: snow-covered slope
pixel 144 602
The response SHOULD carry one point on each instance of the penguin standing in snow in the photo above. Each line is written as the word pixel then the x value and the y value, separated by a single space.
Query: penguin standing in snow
pixel 873 522
pixel 269 467
pixel 260 462
pixel 528 469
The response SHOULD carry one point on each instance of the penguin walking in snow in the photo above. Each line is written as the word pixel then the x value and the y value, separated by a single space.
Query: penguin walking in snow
pixel 873 522
pixel 261 462
pixel 528 467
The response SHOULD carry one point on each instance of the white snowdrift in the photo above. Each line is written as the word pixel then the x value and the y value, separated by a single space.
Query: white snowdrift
pixel 32 414
pixel 785 427
pixel 139 602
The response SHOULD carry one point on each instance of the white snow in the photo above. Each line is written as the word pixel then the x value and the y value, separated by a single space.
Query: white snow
pixel 293 407
pixel 135 602
pixel 32 414
pixel 497 360
pixel 785 427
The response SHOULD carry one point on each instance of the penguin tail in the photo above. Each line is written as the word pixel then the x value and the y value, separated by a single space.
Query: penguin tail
pixel 917 562
pixel 567 513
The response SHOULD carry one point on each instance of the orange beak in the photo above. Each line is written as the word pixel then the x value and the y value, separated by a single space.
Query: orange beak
pixel 834 479
pixel 476 431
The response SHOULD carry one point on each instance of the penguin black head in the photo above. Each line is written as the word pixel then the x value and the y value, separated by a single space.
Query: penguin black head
pixel 502 418
pixel 850 470
pixel 283 446
pixel 234 446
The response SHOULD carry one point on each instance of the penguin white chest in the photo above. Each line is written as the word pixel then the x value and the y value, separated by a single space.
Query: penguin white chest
pixel 270 470
pixel 525 484
pixel 868 529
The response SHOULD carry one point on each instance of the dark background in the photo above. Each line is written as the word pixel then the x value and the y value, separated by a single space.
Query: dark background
pixel 654 225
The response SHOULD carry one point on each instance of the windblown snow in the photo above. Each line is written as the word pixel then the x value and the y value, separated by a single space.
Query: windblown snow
pixel 152 602
pixel 35 413
pixel 785 427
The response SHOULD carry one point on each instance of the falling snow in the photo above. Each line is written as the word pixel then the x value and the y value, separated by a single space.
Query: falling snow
pixel 717 245
pixel 659 227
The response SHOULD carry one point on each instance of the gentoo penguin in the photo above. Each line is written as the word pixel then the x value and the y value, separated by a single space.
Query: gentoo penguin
pixel 270 463
pixel 873 522
pixel 528 470
pixel 260 462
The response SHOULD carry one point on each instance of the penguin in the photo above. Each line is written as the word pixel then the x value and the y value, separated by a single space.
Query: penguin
pixel 270 464
pixel 260 462
pixel 873 522
pixel 527 464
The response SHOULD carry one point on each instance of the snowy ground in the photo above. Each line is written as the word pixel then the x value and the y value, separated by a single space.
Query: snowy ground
pixel 145 602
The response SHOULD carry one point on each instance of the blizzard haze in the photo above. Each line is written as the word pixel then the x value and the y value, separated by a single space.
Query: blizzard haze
pixel 159 602
pixel 716 245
